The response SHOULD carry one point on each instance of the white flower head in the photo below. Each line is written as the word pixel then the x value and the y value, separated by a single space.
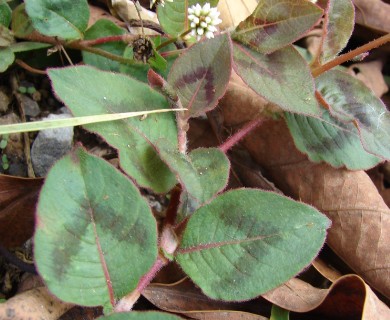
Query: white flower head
pixel 203 20
pixel 161 2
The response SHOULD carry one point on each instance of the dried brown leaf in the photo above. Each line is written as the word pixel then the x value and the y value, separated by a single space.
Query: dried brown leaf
pixel 184 298
pixel 348 298
pixel 18 197
pixel 373 13
pixel 371 75
pixel 234 11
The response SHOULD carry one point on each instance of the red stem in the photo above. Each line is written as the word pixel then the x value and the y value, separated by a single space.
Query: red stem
pixel 239 135
pixel 102 40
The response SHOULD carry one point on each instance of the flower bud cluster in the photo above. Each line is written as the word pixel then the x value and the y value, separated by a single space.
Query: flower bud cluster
pixel 203 20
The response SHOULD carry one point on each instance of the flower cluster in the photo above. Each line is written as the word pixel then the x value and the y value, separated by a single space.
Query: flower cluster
pixel 161 2
pixel 203 20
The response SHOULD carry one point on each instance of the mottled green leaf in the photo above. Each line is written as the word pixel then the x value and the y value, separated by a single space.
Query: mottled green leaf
pixel 67 19
pixel 277 23
pixel 136 315
pixel 21 24
pixel 278 313
pixel 5 13
pixel 89 91
pixel 95 234
pixel 330 140
pixel 246 242
pixel 203 173
pixel 104 28
pixel 173 15
pixel 7 58
pixel 282 77
pixel 339 24
pixel 350 100
pixel 200 76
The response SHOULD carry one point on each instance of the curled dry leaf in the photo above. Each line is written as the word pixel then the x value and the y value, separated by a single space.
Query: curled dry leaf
pixel 361 221
pixel 373 13
pixel 348 298
pixel 184 298
pixel 18 197
pixel 371 74
pixel 35 304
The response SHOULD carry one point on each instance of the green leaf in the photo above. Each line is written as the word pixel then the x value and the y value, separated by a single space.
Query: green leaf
pixel 89 91
pixel 350 100
pixel 6 36
pixel 28 46
pixel 330 140
pixel 247 242
pixel 5 13
pixel 173 15
pixel 277 23
pixel 66 19
pixel 200 76
pixel 282 77
pixel 339 24
pixel 104 28
pixel 278 313
pixel 21 24
pixel 137 315
pixel 203 173
pixel 7 58
pixel 95 234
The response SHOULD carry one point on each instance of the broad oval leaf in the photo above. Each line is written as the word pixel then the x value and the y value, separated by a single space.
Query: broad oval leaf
pixel 246 242
pixel 200 76
pixel 338 26
pixel 203 173
pixel 88 91
pixel 104 28
pixel 173 15
pixel 5 13
pixel 67 19
pixel 277 23
pixel 95 235
pixel 282 77
pixel 137 315
pixel 7 58
pixel 330 140
pixel 350 100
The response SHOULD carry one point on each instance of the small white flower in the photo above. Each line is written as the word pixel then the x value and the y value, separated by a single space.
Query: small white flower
pixel 162 2
pixel 203 20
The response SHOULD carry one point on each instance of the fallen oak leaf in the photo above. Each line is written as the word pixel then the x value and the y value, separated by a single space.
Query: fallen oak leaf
pixel 18 197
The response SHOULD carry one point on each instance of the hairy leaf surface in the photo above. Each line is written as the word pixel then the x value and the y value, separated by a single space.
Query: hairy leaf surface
pixel 282 77
pixel 350 100
pixel 232 246
pixel 276 24
pixel 88 91
pixel 330 140
pixel 95 235
pixel 339 24
pixel 200 76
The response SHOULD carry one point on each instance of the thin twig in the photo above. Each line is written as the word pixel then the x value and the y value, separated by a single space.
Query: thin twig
pixel 29 68
pixel 239 135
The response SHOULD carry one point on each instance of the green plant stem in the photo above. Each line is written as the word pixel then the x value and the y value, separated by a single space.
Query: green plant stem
pixel 239 135
pixel 350 55
pixel 168 42
pixel 78 45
